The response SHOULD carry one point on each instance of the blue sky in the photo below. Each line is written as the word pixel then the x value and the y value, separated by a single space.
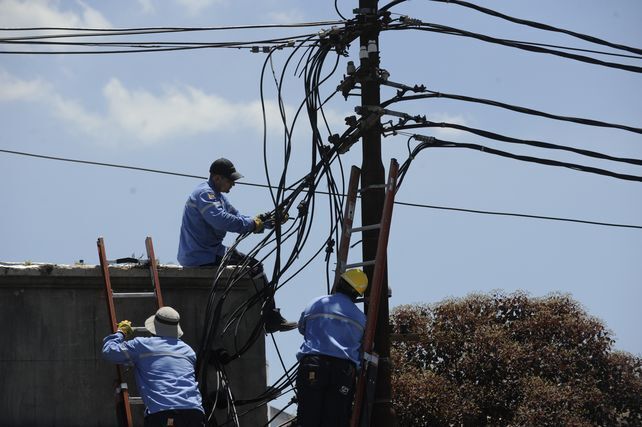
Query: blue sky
pixel 178 111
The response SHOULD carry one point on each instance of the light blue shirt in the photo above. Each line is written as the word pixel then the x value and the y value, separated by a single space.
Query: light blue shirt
pixel 164 370
pixel 332 325
pixel 207 217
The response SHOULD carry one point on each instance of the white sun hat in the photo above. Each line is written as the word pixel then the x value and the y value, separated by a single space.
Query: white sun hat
pixel 165 323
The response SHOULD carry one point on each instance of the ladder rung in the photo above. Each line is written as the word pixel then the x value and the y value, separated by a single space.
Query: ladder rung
pixel 133 294
pixel 135 400
pixel 365 228
pixel 360 264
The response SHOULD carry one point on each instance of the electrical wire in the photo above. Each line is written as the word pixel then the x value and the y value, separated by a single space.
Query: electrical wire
pixel 531 47
pixel 102 32
pixel 284 244
pixel 397 202
pixel 518 215
pixel 300 231
pixel 336 8
pixel 135 48
pixel 583 121
pixel 499 137
pixel 430 142
pixel 542 26
pixel 529 23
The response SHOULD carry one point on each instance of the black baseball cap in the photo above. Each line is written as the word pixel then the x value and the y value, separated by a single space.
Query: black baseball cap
pixel 225 168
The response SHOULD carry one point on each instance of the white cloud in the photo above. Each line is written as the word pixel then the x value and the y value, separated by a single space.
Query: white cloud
pixel 48 13
pixel 195 6
pixel 73 112
pixel 178 111
pixel 286 17
pixel 14 89
pixel 143 116
pixel 147 6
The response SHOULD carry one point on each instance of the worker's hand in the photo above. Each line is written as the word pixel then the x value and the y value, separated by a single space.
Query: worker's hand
pixel 259 225
pixel 125 326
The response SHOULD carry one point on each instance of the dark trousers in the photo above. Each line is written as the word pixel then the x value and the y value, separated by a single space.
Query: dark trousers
pixel 325 388
pixel 237 257
pixel 181 418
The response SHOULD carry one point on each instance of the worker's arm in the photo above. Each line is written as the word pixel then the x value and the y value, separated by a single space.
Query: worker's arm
pixel 117 350
pixel 211 208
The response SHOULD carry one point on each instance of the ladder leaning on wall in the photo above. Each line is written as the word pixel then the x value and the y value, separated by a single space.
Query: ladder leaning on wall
pixel 123 400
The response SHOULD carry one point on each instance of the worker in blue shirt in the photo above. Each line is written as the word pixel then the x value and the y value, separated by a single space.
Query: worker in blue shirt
pixel 207 217
pixel 164 369
pixel 332 327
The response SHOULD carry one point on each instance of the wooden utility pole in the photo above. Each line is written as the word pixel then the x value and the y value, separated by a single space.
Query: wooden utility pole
pixel 372 199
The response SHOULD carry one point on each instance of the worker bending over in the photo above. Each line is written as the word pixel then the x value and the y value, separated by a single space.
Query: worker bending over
pixel 164 369
pixel 332 327
pixel 207 217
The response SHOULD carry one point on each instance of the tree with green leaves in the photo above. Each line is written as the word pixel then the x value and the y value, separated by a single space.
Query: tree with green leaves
pixel 510 360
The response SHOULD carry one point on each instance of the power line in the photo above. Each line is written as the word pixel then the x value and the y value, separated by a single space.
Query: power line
pixel 146 47
pixel 398 128
pixel 542 26
pixel 551 218
pixel 418 205
pixel 430 27
pixel 426 93
pixel 430 142
pixel 102 32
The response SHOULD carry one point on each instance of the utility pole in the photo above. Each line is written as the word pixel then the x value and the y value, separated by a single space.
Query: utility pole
pixel 372 199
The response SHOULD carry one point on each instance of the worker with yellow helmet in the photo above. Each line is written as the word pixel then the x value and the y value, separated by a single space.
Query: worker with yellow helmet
pixel 332 327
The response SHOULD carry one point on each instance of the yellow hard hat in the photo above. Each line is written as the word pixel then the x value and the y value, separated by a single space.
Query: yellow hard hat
pixel 357 279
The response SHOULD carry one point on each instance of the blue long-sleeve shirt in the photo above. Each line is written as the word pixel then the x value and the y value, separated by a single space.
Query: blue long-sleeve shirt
pixel 164 370
pixel 332 325
pixel 207 217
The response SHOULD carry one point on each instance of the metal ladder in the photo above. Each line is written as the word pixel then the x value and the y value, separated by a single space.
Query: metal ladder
pixel 364 393
pixel 123 399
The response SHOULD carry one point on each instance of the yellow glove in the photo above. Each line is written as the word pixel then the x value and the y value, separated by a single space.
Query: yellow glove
pixel 258 225
pixel 125 326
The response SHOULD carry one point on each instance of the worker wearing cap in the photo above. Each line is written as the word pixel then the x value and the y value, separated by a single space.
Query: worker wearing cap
pixel 164 369
pixel 332 327
pixel 207 217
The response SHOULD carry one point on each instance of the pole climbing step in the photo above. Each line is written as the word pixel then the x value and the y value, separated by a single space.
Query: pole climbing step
pixel 123 399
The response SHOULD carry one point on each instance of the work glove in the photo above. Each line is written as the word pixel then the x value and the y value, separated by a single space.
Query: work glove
pixel 259 225
pixel 125 326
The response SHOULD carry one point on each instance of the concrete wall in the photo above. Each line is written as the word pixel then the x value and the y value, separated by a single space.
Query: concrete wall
pixel 54 319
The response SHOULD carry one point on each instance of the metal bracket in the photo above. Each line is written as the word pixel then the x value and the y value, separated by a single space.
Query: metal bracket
pixel 372 358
